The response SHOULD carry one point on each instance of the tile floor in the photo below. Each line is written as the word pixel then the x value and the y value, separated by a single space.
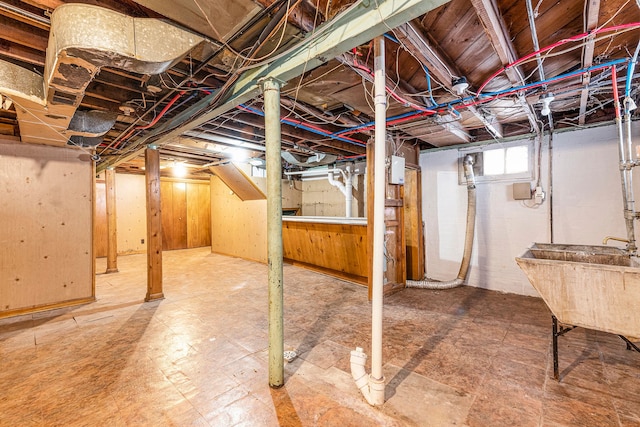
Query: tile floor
pixel 463 357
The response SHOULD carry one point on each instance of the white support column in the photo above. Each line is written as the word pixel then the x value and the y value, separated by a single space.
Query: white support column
pixel 372 386
pixel 378 210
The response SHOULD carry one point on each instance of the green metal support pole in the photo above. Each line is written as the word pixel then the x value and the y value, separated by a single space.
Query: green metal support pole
pixel 271 91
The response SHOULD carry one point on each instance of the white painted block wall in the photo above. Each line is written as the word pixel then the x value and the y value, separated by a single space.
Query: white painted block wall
pixel 587 206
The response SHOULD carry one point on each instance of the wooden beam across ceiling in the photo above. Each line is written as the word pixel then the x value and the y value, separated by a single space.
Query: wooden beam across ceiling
pixel 21 53
pixel 38 20
pixel 496 29
pixel 45 4
pixel 421 49
pixel 360 23
pixel 294 133
pixel 23 34
pixel 592 13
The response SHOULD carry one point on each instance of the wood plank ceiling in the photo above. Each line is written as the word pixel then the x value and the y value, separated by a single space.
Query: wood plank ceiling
pixel 328 110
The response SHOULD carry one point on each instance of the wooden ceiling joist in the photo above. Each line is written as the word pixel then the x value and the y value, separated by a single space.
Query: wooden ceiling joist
pixel 592 13
pixel 442 69
pixel 297 133
pixel 22 34
pixel 355 26
pixel 496 30
pixel 21 53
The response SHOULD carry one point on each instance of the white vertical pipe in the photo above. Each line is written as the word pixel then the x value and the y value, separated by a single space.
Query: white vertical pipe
pixel 372 386
pixel 348 195
pixel 271 90
pixel 378 208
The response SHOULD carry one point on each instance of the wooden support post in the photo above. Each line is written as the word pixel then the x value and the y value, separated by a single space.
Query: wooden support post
pixel 112 233
pixel 154 225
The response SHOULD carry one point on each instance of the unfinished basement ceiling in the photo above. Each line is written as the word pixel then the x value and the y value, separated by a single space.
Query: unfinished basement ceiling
pixel 328 110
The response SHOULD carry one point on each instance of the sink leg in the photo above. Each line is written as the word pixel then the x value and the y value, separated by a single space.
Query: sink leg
pixel 555 334
pixel 630 345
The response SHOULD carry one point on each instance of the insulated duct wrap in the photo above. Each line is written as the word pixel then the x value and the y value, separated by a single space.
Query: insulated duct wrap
pixel 82 39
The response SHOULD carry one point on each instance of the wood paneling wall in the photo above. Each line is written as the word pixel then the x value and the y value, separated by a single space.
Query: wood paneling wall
pixel 198 215
pixel 237 228
pixel 186 214
pixel 395 251
pixel 413 224
pixel 46 227
pixel 100 224
pixel 336 249
pixel 240 228
pixel 132 217
pixel 174 215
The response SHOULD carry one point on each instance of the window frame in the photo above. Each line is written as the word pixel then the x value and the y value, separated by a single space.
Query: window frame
pixel 478 167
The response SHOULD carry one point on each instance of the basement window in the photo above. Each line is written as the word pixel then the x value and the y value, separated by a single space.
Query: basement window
pixel 507 162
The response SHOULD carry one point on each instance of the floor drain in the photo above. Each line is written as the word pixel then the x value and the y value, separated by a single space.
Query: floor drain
pixel 289 355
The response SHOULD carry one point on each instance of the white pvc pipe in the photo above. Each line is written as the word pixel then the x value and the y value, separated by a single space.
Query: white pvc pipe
pixel 378 207
pixel 373 389
pixel 348 176
pixel 346 188
pixel 326 219
pixel 312 172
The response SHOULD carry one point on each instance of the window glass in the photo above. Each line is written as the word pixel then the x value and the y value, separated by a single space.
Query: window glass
pixel 506 162
pixel 494 162
pixel 517 159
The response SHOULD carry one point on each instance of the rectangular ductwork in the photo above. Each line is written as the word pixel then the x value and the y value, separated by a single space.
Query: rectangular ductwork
pixel 82 39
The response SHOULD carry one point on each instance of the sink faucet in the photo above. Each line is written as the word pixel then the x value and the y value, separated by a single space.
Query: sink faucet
pixel 619 239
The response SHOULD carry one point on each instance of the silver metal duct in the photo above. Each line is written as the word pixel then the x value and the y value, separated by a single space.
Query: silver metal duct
pixel 84 38
pixel 317 159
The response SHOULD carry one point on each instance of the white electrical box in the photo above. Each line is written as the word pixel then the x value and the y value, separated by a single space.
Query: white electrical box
pixel 397 170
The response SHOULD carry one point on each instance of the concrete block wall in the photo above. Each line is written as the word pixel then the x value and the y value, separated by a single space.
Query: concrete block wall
pixel 587 206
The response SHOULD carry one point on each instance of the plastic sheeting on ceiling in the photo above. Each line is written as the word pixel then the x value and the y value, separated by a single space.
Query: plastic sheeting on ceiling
pixel 230 16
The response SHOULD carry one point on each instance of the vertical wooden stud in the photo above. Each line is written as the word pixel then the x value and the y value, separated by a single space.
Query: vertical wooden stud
pixel 370 155
pixel 112 234
pixel 154 225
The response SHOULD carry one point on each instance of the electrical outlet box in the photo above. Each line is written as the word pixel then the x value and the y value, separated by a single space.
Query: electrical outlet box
pixel 397 170
pixel 539 195
pixel 521 191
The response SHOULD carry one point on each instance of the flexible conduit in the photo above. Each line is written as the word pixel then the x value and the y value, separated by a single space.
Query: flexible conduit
pixel 305 126
pixel 630 71
pixel 153 122
pixel 468 239
pixel 472 101
pixel 577 37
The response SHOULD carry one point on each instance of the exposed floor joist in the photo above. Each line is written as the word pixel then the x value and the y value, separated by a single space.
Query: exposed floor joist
pixel 422 50
pixel 592 13
pixel 359 24
pixel 496 29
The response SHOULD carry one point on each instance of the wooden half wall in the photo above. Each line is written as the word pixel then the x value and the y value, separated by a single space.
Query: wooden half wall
pixel 335 246
pixel 46 223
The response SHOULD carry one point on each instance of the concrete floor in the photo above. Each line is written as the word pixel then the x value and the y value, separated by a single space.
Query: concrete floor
pixel 459 357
